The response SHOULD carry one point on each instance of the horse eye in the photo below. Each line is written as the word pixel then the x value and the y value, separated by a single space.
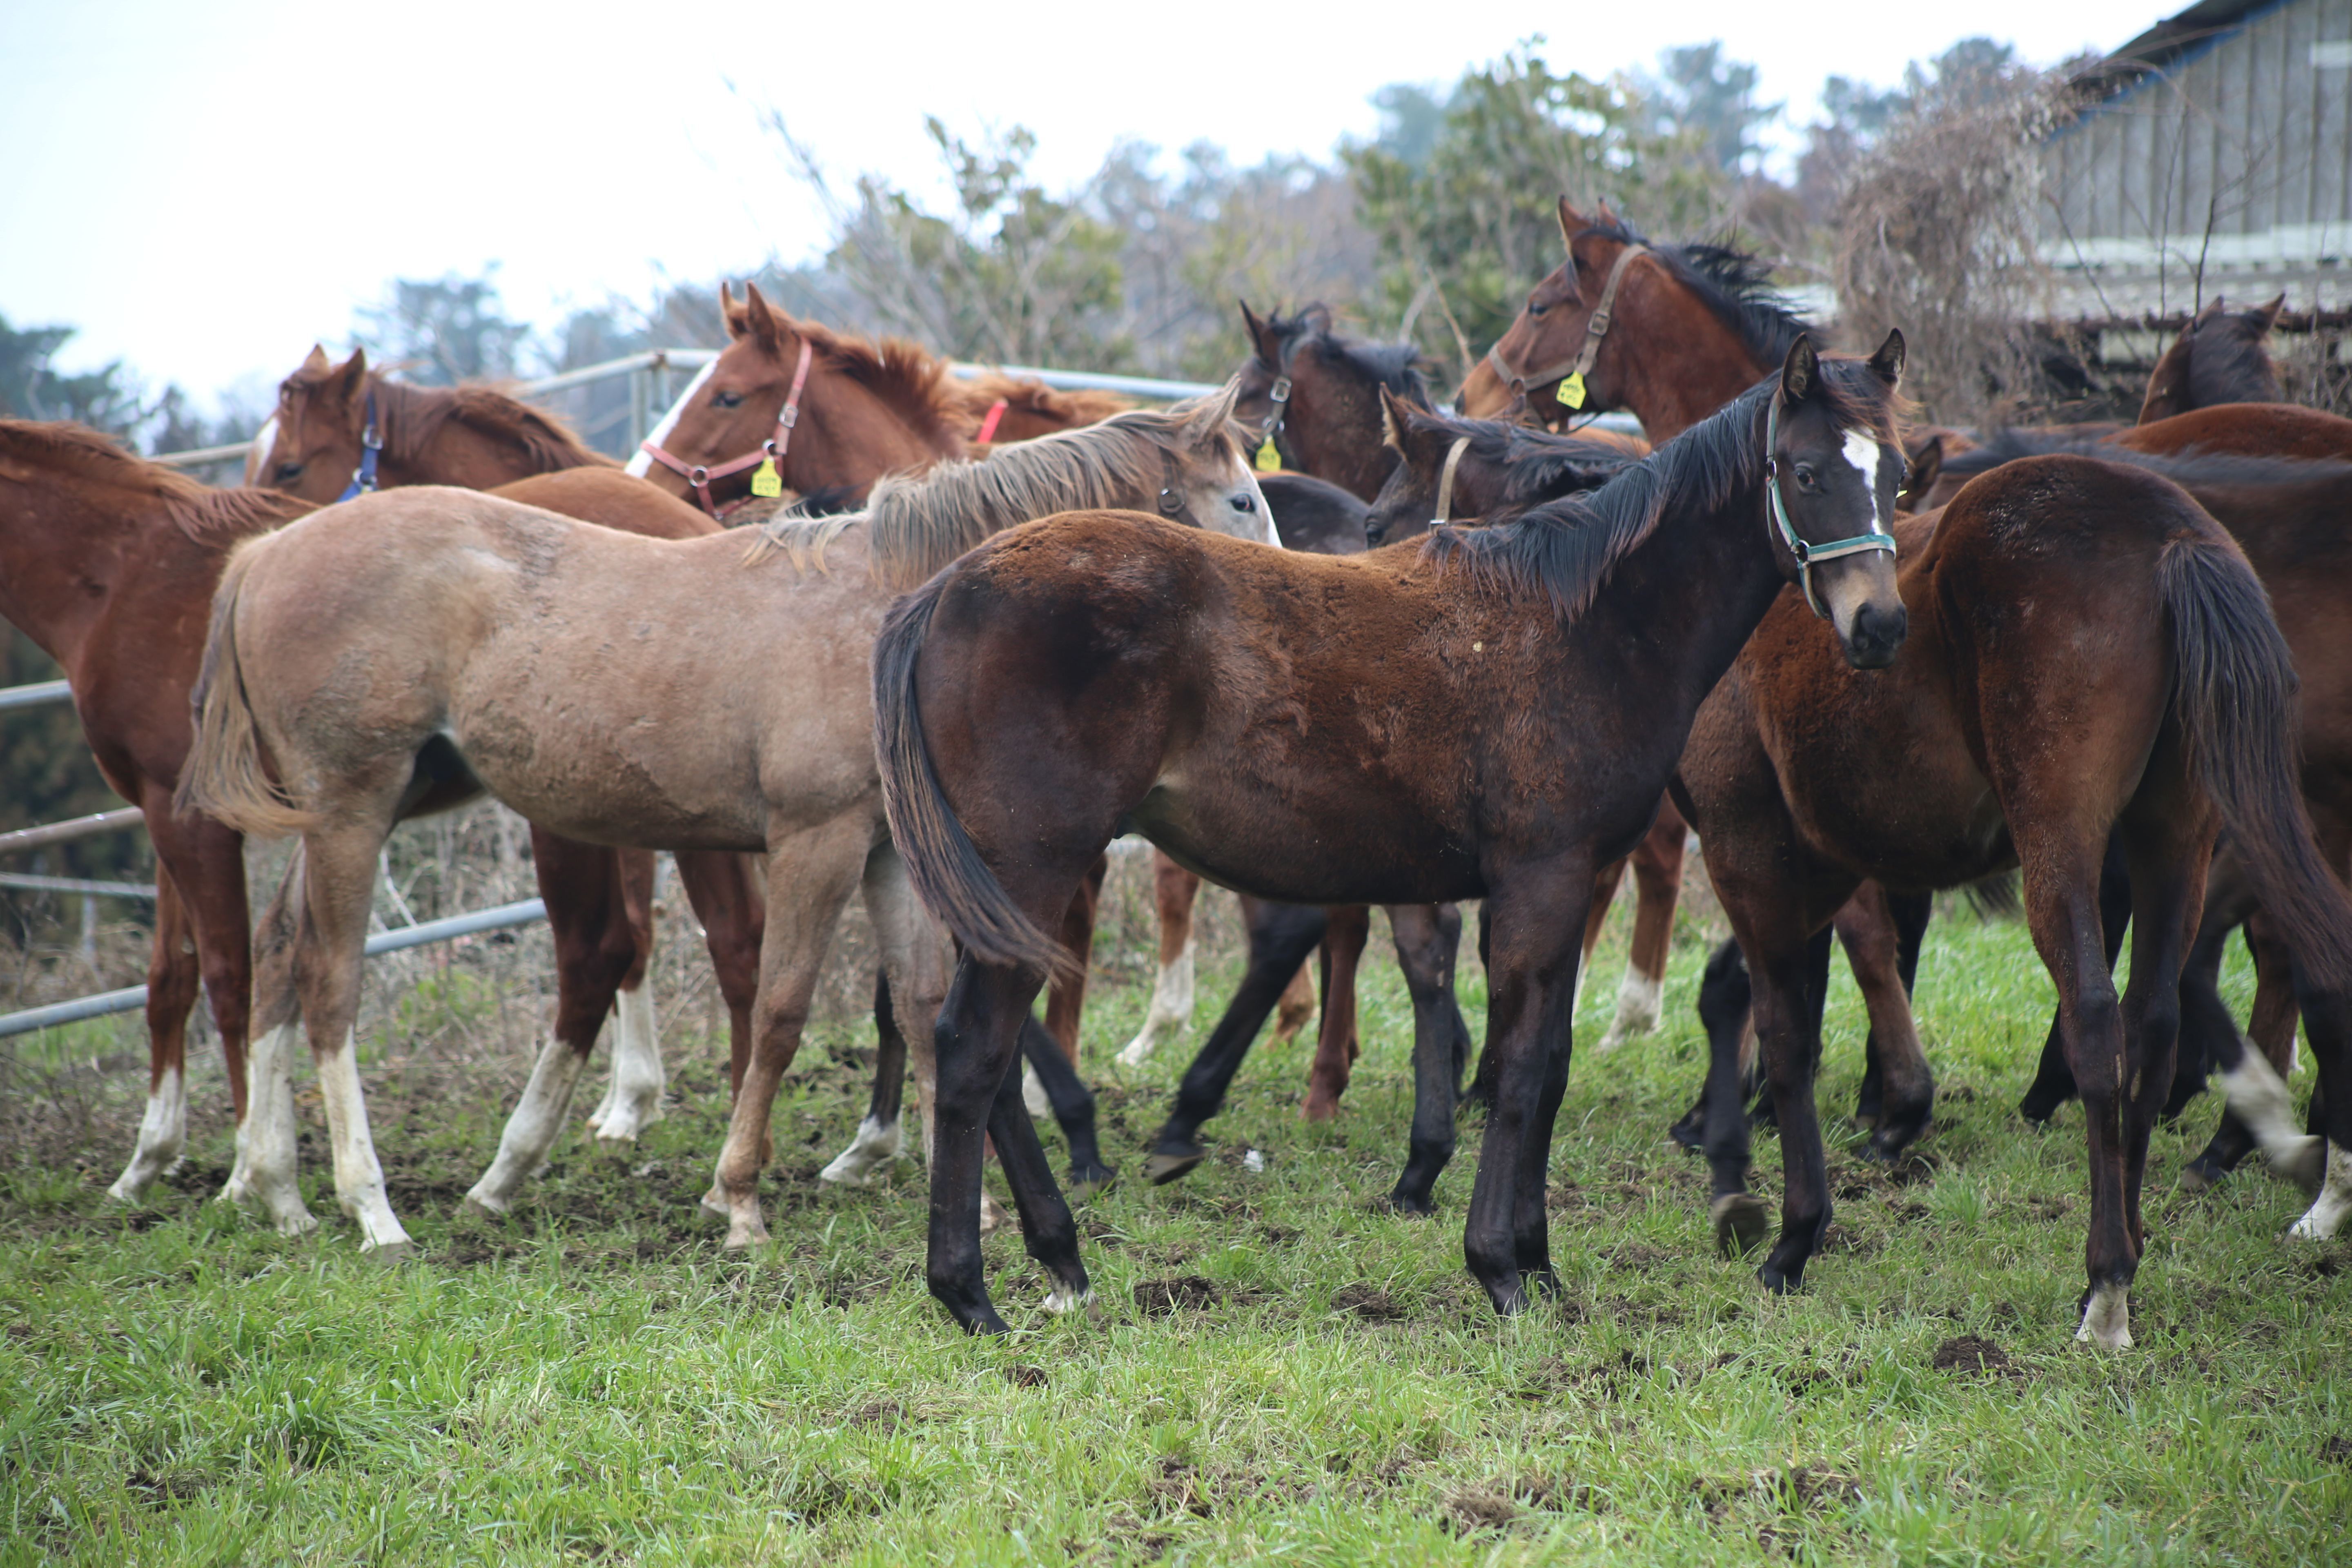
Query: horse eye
pixel 726 400
pixel 1245 503
pixel 1536 308
pixel 1806 477
pixel 289 470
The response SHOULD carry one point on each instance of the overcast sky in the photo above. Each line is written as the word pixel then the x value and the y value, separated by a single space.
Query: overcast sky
pixel 205 189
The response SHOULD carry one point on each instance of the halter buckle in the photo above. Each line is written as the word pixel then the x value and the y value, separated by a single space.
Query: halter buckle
pixel 698 477
pixel 1281 392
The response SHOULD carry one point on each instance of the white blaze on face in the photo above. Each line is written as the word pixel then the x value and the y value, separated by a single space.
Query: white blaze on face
pixel 265 441
pixel 640 463
pixel 1861 450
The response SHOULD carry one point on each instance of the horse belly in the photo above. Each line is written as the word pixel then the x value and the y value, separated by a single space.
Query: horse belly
pixel 1308 850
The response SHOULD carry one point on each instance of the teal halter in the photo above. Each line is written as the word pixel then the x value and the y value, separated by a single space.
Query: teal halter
pixel 1807 554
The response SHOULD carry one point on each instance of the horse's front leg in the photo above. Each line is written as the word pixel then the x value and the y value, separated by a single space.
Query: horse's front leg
pixel 1280 938
pixel 1791 981
pixel 1534 914
pixel 1427 938
pixel 810 876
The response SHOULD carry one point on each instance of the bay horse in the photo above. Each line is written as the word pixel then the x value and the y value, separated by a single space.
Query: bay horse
pixel 599 901
pixel 481 630
pixel 2219 358
pixel 2288 515
pixel 2090 653
pixel 108 562
pixel 1491 714
pixel 1318 396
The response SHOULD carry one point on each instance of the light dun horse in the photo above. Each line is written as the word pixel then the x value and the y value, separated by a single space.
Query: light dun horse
pixel 401 652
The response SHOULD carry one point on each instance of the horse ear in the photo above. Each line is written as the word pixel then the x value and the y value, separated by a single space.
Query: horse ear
pixel 729 312
pixel 1887 362
pixel 1608 216
pixel 2269 314
pixel 1209 421
pixel 1394 420
pixel 1919 476
pixel 2212 313
pixel 318 363
pixel 2167 383
pixel 1571 222
pixel 1800 370
pixel 1517 411
pixel 762 319
pixel 350 377
pixel 1260 335
pixel 1316 317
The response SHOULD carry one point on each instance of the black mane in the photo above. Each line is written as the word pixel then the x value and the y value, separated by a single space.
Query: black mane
pixel 1568 547
pixel 2196 466
pixel 1537 465
pixel 1396 366
pixel 1736 286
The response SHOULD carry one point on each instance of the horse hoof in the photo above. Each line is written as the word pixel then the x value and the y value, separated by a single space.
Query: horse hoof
pixel 1086 1184
pixel 1412 1205
pixel 1741 1222
pixel 2303 1163
pixel 482 1203
pixel 1161 1169
pixel 388 1252
pixel 1689 1133
pixel 2198 1177
pixel 1318 1110
pixel 1775 1280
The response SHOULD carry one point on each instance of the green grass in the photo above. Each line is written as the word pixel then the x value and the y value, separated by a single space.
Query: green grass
pixel 593 1380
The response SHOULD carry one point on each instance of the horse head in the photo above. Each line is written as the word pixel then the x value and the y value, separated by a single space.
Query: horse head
pixel 1834 462
pixel 1208 481
pixel 314 443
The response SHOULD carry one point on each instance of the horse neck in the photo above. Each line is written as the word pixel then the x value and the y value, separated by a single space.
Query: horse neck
pixel 1337 436
pixel 63 556
pixel 457 453
pixel 847 437
pixel 1688 365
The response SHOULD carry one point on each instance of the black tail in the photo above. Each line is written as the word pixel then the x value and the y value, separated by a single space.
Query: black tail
pixel 2236 701
pixel 941 858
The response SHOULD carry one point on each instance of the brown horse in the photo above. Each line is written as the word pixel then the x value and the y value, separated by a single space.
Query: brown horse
pixel 2220 358
pixel 108 563
pixel 487 629
pixel 1006 408
pixel 1465 718
pixel 1318 396
pixel 599 901
pixel 2089 655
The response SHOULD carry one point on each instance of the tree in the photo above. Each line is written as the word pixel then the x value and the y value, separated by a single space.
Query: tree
pixel 1715 97
pixel 444 331
pixel 106 399
pixel 1467 230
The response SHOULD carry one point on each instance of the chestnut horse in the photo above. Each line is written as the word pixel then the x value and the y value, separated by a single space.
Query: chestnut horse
pixel 1006 408
pixel 599 901
pixel 108 562
pixel 1489 715
pixel 492 624
pixel 2090 653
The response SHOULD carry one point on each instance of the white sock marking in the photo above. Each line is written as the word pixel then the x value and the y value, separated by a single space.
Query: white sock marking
pixel 1171 1013
pixel 532 1129
pixel 634 1102
pixel 1033 1094
pixel 2334 1204
pixel 266 1155
pixel 1060 1298
pixel 2107 1318
pixel 2260 1098
pixel 1640 1001
pixel 877 1144
pixel 162 1133
pixel 359 1179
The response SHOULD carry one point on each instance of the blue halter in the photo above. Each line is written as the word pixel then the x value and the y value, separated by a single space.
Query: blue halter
pixel 370 443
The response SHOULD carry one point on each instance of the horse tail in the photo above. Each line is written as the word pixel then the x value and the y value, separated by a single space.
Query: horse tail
pixel 2235 698
pixel 223 776
pixel 943 862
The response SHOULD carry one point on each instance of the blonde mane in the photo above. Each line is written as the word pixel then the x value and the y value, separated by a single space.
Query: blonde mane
pixel 917 524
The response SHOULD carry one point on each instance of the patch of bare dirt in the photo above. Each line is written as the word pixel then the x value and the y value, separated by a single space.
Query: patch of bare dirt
pixel 1183 1293
pixel 1372 1304
pixel 1973 1353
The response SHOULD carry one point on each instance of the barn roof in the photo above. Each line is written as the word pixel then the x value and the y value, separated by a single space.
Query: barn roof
pixel 2170 44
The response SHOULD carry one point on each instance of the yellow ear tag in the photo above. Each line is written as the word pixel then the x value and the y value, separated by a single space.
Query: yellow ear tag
pixel 1572 392
pixel 765 481
pixel 1268 458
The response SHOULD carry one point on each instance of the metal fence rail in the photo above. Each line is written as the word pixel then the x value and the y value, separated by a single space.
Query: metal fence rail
pixel 124 1001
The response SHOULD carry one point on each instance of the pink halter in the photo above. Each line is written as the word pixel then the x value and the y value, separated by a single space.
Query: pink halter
pixel 699 475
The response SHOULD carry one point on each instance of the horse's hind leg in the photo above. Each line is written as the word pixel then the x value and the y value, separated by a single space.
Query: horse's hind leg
pixel 1280 938
pixel 171 983
pixel 1347 927
pixel 1073 1108
pixel 1427 938
pixel 1909 914
pixel 597 949
pixel 1791 983
pixel 264 1169
pixel 810 877
pixel 880 1139
pixel 1866 928
pixel 1065 998
pixel 339 865
pixel 1657 866
pixel 2053 1082
pixel 978 1033
pixel 1605 883
pixel 1174 890
pixel 633 1099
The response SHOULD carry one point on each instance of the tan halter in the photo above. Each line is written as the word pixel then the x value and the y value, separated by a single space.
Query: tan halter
pixel 1445 481
pixel 1596 327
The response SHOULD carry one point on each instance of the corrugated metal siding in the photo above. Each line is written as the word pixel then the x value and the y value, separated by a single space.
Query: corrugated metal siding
pixel 2238 159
